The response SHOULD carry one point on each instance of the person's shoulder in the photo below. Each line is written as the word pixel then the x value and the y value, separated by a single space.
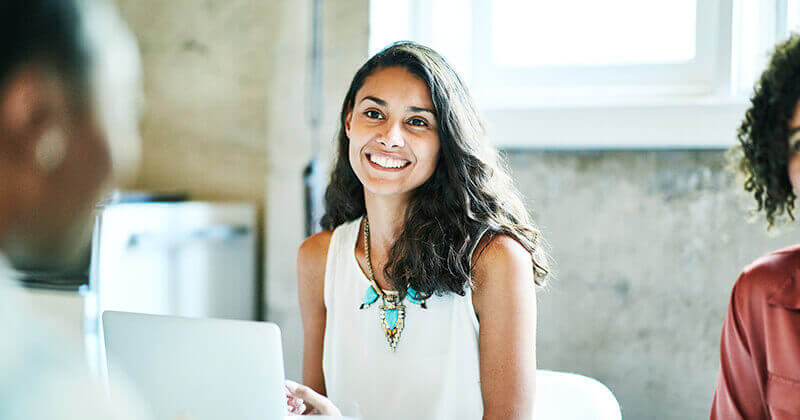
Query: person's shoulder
pixel 314 249
pixel 311 261
pixel 494 248
pixel 774 267
pixel 500 259
pixel 760 279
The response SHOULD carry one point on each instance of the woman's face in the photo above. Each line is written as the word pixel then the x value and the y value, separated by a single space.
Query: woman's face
pixel 794 149
pixel 393 132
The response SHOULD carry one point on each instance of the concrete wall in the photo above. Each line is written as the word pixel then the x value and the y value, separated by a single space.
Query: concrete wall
pixel 204 63
pixel 647 246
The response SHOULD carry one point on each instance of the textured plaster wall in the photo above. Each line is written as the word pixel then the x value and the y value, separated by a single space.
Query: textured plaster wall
pixel 647 246
pixel 203 128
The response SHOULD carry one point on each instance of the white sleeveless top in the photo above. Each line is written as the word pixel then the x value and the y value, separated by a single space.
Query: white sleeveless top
pixel 433 373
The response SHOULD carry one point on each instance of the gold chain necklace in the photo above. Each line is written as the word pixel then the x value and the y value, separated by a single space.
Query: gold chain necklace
pixel 393 312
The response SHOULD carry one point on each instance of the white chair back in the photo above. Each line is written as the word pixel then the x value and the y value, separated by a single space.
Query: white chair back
pixel 568 396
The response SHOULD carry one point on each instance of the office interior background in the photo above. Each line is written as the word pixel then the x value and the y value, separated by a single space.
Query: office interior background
pixel 614 117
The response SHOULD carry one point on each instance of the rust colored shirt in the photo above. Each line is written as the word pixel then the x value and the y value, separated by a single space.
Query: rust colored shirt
pixel 760 348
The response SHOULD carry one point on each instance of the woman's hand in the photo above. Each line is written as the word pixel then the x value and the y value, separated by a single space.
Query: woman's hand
pixel 305 397
pixel 296 406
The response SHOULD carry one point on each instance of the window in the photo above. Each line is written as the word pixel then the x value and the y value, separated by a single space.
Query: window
pixel 757 26
pixel 565 52
pixel 533 34
pixel 648 71
pixel 793 16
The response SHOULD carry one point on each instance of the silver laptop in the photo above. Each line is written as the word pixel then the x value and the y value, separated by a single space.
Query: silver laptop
pixel 197 368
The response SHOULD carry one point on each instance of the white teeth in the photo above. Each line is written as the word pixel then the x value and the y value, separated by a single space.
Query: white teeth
pixel 387 162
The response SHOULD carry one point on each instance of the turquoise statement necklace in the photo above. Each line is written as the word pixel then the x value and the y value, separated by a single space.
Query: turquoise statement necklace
pixel 392 309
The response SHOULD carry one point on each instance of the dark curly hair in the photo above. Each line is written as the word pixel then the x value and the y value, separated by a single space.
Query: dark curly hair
pixel 763 135
pixel 468 193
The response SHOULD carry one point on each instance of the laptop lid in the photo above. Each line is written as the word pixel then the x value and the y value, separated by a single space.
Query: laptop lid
pixel 197 368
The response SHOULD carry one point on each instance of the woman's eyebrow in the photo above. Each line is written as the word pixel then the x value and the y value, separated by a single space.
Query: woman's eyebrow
pixel 421 109
pixel 378 101
pixel 381 102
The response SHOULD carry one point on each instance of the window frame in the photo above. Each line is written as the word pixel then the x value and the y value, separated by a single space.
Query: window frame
pixel 653 114
pixel 569 84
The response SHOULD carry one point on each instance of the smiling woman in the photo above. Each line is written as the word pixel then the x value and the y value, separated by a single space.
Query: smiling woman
pixel 402 317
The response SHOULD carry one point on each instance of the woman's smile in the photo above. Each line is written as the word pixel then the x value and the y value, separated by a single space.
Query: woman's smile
pixel 386 162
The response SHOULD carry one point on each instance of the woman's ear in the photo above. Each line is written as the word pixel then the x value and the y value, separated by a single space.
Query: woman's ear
pixel 347 120
pixel 27 103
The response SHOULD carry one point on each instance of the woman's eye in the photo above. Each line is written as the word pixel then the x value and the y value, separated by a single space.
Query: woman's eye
pixel 794 142
pixel 418 122
pixel 372 114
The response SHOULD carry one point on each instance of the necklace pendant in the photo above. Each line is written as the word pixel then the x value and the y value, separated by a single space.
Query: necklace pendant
pixel 393 316
pixel 414 297
pixel 369 298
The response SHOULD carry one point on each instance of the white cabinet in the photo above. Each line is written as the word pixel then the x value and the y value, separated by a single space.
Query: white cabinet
pixel 188 258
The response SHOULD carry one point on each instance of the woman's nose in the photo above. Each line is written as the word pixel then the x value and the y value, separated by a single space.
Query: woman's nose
pixel 392 138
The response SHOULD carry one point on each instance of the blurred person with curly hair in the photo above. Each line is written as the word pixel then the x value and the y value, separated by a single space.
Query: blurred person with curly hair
pixel 760 347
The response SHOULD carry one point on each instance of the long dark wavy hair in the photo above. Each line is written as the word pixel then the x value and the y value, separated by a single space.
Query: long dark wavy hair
pixel 762 155
pixel 468 193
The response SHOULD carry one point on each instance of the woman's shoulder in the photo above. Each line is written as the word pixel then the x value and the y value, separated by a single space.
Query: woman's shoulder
pixel 494 247
pixel 314 249
pixel 768 275
pixel 311 259
pixel 500 260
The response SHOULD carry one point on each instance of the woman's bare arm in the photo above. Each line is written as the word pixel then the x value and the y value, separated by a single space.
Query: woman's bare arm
pixel 311 259
pixel 505 302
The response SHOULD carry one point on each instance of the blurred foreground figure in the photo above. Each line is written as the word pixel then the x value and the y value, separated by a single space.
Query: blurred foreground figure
pixel 69 74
